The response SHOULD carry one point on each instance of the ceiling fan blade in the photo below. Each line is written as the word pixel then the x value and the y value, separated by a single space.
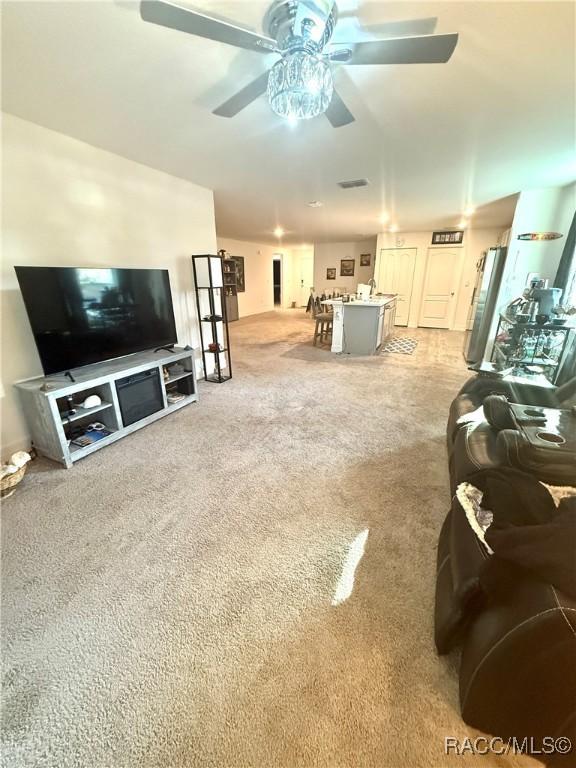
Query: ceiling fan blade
pixel 338 113
pixel 428 49
pixel 408 27
pixel 403 28
pixel 243 98
pixel 352 29
pixel 195 23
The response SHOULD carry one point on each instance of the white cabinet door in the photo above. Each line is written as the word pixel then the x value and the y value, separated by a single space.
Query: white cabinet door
pixel 380 327
pixel 396 275
pixel 443 267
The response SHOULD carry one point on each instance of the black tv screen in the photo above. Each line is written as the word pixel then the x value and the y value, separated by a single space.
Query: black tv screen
pixel 81 316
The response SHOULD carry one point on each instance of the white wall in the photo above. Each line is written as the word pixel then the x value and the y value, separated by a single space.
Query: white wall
pixel 66 203
pixel 475 242
pixel 538 210
pixel 259 294
pixel 330 254
pixel 258 257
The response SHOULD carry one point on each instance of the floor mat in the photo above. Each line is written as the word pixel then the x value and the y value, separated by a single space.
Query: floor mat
pixel 402 346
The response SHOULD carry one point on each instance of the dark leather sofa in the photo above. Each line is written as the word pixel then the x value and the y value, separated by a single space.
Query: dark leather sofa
pixel 477 388
pixel 518 664
pixel 474 442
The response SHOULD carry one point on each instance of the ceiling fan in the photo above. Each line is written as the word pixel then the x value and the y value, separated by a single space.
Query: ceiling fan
pixel 299 85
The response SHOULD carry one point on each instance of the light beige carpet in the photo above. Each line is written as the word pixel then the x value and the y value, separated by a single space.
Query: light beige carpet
pixel 170 601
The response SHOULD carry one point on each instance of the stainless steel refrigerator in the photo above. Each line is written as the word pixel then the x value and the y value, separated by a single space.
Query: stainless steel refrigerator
pixel 483 304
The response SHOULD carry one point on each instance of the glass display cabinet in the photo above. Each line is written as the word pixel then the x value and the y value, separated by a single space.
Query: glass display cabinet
pixel 213 317
pixel 529 349
pixel 229 267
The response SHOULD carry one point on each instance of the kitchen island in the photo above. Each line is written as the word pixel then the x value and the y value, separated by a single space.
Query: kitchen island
pixel 361 327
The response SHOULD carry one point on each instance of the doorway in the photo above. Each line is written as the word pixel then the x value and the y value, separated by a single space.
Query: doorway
pixel 440 286
pixel 396 275
pixel 277 279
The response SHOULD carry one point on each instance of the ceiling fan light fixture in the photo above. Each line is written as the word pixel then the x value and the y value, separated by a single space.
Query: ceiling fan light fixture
pixel 300 86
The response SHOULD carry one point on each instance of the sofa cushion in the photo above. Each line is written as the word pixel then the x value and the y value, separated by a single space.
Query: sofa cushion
pixel 474 449
pixel 518 670
pixel 550 466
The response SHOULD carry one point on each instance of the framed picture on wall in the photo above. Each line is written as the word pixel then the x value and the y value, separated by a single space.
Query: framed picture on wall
pixel 441 238
pixel 347 267
pixel 240 277
pixel 331 273
pixel 365 259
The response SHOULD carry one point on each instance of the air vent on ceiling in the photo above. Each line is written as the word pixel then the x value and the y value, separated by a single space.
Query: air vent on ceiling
pixel 353 183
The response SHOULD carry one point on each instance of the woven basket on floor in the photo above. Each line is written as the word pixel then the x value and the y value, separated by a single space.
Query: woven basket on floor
pixel 9 482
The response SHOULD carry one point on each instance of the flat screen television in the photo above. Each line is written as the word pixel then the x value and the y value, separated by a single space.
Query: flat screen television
pixel 82 316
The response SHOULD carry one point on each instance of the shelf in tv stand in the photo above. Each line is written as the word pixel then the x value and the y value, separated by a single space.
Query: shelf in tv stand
pixel 78 451
pixel 43 399
pixel 177 377
pixel 82 413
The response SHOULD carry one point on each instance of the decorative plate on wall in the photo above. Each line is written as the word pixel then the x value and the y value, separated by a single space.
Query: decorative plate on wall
pixel 540 236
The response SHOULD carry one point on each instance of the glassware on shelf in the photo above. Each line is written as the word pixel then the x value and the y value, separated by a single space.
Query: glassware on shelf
pixel 531 349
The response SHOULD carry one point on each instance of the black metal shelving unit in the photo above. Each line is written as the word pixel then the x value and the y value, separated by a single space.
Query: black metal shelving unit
pixel 213 317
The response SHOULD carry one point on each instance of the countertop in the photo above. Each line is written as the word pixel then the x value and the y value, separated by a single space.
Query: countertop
pixel 378 301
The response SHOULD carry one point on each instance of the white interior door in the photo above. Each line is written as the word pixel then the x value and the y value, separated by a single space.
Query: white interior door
pixel 306 277
pixel 440 286
pixel 396 275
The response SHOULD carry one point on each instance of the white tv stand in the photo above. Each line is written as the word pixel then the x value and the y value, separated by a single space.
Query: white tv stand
pixel 46 401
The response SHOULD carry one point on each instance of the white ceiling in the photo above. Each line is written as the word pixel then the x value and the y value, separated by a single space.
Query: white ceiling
pixel 496 119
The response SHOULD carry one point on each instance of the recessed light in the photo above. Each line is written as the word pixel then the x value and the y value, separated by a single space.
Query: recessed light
pixel 315 204
pixel 462 223
pixel 469 211
pixel 384 218
pixel 278 232
pixel 393 228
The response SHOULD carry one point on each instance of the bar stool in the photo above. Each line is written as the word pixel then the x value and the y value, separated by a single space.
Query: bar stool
pixel 323 326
